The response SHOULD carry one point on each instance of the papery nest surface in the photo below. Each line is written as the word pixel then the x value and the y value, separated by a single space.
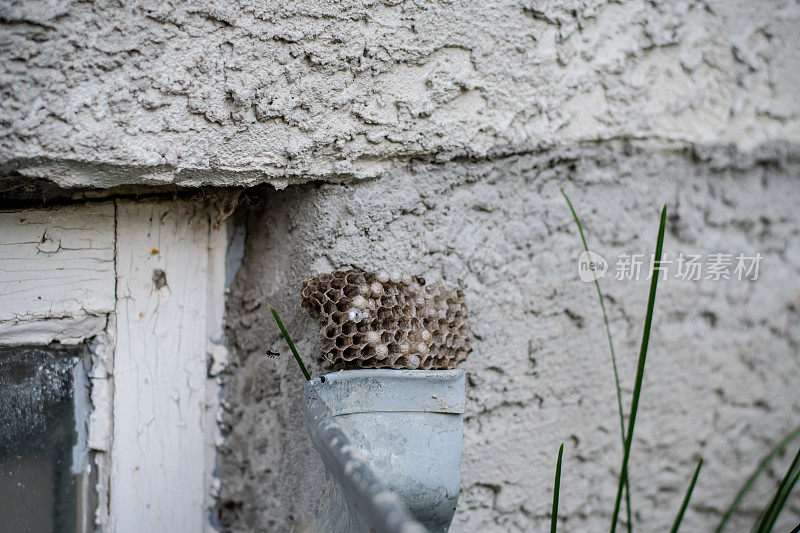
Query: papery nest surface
pixel 388 320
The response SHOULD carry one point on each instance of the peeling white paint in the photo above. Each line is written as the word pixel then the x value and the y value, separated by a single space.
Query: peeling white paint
pixel 100 419
pixel 78 273
pixel 66 330
pixel 216 352
pixel 57 275
pixel 158 477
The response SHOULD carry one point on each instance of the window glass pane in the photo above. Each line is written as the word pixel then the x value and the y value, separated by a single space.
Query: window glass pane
pixel 39 472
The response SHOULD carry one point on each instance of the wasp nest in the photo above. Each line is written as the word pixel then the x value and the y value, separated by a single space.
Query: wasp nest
pixel 388 320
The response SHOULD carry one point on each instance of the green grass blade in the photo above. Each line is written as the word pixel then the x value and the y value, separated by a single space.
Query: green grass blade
pixel 782 501
pixel 610 349
pixel 290 343
pixel 556 490
pixel 679 518
pixel 637 387
pixel 781 494
pixel 762 465
pixel 605 320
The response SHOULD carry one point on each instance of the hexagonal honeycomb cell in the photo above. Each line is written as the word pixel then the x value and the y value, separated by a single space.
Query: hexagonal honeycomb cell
pixel 388 320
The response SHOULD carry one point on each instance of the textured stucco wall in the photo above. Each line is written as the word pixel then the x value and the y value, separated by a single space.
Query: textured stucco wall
pixel 721 379
pixel 208 92
pixel 437 136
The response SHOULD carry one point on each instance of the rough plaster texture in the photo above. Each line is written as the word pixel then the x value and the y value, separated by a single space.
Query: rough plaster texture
pixel 472 115
pixel 211 92
pixel 721 379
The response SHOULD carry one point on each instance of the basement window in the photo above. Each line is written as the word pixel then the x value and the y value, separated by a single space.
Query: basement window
pixel 127 295
pixel 44 407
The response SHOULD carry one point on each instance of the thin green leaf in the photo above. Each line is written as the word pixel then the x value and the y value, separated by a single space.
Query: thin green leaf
pixel 762 465
pixel 685 503
pixel 782 501
pixel 637 387
pixel 610 348
pixel 779 499
pixel 556 490
pixel 290 343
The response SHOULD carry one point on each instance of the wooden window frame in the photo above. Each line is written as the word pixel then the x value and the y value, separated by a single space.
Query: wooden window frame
pixel 142 283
